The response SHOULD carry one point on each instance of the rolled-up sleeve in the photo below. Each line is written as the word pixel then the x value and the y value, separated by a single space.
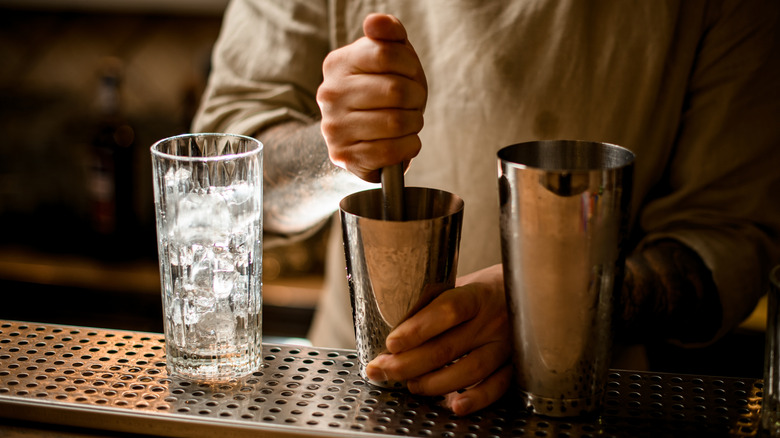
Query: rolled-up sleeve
pixel 266 66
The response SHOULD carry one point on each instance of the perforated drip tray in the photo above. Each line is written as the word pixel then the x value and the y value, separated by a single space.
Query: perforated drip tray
pixel 116 380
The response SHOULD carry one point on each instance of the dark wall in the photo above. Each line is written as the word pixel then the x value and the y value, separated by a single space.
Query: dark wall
pixel 49 85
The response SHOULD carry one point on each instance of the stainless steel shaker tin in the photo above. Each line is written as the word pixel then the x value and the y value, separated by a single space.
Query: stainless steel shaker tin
pixel 564 208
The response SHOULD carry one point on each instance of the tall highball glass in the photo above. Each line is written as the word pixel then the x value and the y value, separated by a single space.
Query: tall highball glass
pixel 208 199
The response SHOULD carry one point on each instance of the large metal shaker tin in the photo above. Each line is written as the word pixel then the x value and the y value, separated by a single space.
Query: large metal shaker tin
pixel 564 210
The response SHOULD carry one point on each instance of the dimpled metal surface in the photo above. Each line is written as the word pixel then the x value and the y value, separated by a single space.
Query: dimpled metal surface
pixel 116 380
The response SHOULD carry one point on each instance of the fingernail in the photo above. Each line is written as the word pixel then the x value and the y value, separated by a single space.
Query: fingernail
pixel 412 386
pixel 461 406
pixel 375 373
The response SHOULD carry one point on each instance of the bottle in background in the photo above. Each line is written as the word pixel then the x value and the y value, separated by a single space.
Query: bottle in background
pixel 110 170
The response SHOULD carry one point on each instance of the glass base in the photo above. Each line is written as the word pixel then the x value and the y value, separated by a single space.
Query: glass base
pixel 213 368
pixel 770 421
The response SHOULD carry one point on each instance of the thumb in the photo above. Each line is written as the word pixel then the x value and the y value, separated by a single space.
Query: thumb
pixel 384 27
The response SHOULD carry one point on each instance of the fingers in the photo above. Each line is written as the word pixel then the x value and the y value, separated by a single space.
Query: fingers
pixel 469 319
pixel 446 311
pixel 372 138
pixel 465 372
pixel 372 121
pixel 389 110
pixel 359 92
pixel 489 371
pixel 482 394
pixel 461 339
pixel 455 360
pixel 421 364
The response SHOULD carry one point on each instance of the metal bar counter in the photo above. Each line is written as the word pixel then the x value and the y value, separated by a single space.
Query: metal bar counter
pixel 114 380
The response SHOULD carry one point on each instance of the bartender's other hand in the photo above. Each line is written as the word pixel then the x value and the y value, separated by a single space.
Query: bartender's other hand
pixel 668 293
pixel 372 99
pixel 467 325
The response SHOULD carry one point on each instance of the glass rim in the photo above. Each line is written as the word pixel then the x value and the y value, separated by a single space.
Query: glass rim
pixel 505 155
pixel 356 204
pixel 159 154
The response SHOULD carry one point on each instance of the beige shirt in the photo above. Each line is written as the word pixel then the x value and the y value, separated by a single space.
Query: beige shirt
pixel 690 86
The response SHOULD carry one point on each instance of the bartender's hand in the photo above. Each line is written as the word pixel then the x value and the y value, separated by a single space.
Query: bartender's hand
pixel 372 99
pixel 468 323
pixel 668 293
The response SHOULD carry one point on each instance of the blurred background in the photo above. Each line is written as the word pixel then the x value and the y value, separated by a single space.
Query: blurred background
pixel 86 87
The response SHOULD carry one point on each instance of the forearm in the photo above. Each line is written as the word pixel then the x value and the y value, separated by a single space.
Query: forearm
pixel 668 293
pixel 301 187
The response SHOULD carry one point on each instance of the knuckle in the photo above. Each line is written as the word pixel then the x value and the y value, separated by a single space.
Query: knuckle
pixel 335 156
pixel 475 369
pixel 372 177
pixel 384 56
pixel 421 90
pixel 395 91
pixel 501 323
pixel 340 155
pixel 384 151
pixel 416 144
pixel 336 160
pixel 363 172
pixel 326 95
pixel 442 354
pixel 497 328
pixel 330 129
pixel 418 121
pixel 421 386
pixel 332 61
pixel 451 312
pixel 394 121
pixel 504 375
